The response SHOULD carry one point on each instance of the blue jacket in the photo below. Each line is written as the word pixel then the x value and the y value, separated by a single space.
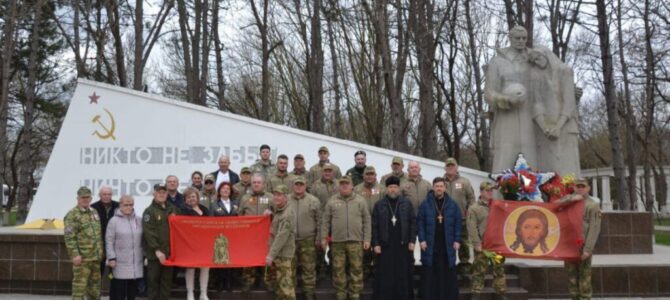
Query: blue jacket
pixel 426 222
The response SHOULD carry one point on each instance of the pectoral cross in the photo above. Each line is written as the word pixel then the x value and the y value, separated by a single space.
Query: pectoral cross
pixel 439 219
pixel 393 220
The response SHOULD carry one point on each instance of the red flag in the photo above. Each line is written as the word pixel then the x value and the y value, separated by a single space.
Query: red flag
pixel 218 242
pixel 535 230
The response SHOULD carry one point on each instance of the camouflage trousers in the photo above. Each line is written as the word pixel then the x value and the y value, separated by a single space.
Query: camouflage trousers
pixel 321 265
pixel 464 251
pixel 252 274
pixel 305 259
pixel 579 278
pixel 347 255
pixel 285 289
pixel 479 268
pixel 86 280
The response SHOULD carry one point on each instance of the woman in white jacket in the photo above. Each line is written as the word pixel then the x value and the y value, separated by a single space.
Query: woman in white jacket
pixel 124 250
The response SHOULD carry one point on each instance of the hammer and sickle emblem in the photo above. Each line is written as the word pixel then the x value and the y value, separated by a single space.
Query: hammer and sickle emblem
pixel 106 132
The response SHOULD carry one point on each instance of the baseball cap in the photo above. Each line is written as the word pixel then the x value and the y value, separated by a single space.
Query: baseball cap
pixel 84 192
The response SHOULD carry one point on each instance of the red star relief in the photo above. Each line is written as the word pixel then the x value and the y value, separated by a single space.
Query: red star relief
pixel 94 98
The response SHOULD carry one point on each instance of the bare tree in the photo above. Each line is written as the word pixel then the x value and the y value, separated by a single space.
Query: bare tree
pixel 7 39
pixel 611 102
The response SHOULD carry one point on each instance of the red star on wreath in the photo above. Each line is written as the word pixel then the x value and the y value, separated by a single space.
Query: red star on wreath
pixel 94 98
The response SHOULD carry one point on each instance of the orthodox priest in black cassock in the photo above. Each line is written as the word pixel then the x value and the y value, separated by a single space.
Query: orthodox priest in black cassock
pixel 393 236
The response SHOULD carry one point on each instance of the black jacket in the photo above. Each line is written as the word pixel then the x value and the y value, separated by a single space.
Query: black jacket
pixel 381 215
pixel 187 211
pixel 234 178
pixel 219 210
pixel 105 216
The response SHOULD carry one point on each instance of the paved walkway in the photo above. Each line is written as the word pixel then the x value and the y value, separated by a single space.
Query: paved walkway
pixel 664 229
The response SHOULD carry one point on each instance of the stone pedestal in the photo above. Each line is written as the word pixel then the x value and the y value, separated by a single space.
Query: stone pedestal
pixel 625 232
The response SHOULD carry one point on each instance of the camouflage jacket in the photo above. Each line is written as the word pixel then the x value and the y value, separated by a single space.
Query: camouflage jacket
pixel 282 237
pixel 255 204
pixel 415 190
pixel 460 190
pixel 82 234
pixel 307 211
pixel 323 190
pixel 346 219
pixel 371 194
pixel 277 180
pixel 476 221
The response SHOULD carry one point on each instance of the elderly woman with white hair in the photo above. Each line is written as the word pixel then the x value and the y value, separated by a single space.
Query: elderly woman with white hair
pixel 124 250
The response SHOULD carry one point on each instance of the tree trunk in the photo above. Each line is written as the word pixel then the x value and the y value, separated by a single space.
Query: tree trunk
pixel 649 106
pixel 25 162
pixel 336 81
pixel 421 13
pixel 114 25
pixel 611 102
pixel 5 78
pixel 482 130
pixel 315 69
pixel 628 115
pixel 139 45
pixel 220 83
pixel 186 49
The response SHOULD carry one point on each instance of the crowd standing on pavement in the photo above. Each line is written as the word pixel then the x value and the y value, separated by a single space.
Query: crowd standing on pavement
pixel 350 226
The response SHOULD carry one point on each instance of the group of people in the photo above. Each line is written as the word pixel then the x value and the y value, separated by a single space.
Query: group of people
pixel 351 225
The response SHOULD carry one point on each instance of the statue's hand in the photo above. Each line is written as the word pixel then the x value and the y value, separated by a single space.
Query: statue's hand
pixel 503 102
pixel 552 133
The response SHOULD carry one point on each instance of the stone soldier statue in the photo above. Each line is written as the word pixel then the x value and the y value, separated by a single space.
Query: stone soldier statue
pixel 532 96
pixel 579 272
pixel 282 244
pixel 84 246
pixel 307 209
pixel 476 223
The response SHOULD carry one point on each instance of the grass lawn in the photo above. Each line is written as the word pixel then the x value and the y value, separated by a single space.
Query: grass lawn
pixel 662 238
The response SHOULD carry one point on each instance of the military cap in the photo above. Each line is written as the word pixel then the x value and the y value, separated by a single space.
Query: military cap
pixel 159 186
pixel 345 179
pixel 397 160
pixel 486 185
pixel 245 170
pixel 369 169
pixel 299 156
pixel 581 181
pixel 323 149
pixel 451 161
pixel 84 192
pixel 328 166
pixel 280 189
pixel 210 177
pixel 300 179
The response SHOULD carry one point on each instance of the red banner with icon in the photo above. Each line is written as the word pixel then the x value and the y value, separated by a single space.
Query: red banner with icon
pixel 218 242
pixel 535 230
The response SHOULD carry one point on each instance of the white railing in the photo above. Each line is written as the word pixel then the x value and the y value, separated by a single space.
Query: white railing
pixel 605 176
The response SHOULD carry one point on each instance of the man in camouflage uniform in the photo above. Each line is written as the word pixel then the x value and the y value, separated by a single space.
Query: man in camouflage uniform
pixel 156 233
pixel 307 209
pixel 371 191
pixel 208 194
pixel 476 221
pixel 397 164
pixel 84 246
pixel 358 170
pixel 299 167
pixel 415 188
pixel 281 176
pixel 460 190
pixel 579 272
pixel 323 189
pixel 282 244
pixel 257 203
pixel 244 186
pixel 316 169
pixel 347 217
pixel 264 165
